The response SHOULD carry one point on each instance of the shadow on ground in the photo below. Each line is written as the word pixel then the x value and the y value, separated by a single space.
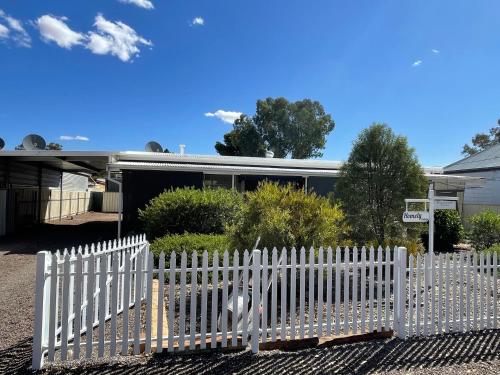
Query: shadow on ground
pixel 79 230
pixel 360 358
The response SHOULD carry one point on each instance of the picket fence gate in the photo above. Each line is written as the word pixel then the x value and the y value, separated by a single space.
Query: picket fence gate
pixel 294 293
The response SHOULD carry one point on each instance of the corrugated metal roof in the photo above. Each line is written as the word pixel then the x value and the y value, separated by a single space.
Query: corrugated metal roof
pixel 223 169
pixel 487 159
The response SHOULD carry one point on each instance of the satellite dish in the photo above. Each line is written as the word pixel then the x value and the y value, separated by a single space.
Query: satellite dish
pixel 34 142
pixel 153 147
pixel 2 143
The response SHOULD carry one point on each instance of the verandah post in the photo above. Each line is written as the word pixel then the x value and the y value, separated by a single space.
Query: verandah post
pixel 42 290
pixel 255 300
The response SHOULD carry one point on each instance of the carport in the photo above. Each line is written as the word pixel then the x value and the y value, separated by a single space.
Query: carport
pixel 39 186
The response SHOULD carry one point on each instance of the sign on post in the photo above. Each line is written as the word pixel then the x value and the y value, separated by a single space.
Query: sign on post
pixel 416 216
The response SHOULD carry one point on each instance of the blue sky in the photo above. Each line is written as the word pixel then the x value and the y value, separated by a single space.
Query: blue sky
pixel 121 74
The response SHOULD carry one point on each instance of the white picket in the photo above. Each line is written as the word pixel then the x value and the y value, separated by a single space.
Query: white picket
pixel 137 305
pixel 245 298
pixel 495 290
pixel 204 302
pixel 426 294
pixel 126 302
pixel 337 290
pixel 171 303
pixel 149 304
pixel 114 304
pixel 255 300
pixel 302 293
pixel 329 292
pixel 293 293
pixel 467 291
pixel 355 290
pixel 371 290
pixel 161 303
pixel 475 307
pixel 439 294
pixel 311 292
pixel 65 309
pixel 432 317
pixel 387 288
pixel 488 289
pixel 363 290
pixel 418 286
pixel 481 290
pixel 77 308
pixel 102 268
pixel 447 297
pixel 90 304
pixel 274 293
pixel 192 306
pixel 346 291
pixel 234 316
pixel 461 291
pixel 411 265
pixel 225 293
pixel 379 289
pixel 320 292
pixel 215 299
pixel 265 275
pixel 182 302
pixel 454 299
pixel 283 295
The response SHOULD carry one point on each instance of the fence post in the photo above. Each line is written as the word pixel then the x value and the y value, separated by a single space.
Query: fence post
pixel 42 290
pixel 400 291
pixel 255 300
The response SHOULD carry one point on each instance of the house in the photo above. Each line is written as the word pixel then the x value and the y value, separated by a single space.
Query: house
pixel 486 165
pixel 140 176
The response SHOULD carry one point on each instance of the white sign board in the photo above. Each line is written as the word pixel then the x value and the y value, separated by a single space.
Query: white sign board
pixel 445 205
pixel 415 216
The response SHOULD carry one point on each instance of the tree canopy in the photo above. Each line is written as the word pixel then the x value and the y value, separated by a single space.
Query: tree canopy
pixel 382 170
pixel 482 141
pixel 297 129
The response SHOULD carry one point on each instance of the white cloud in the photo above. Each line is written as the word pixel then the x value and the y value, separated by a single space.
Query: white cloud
pixel 436 51
pixel 4 32
pixel 13 29
pixel 416 63
pixel 228 117
pixel 115 38
pixel 146 4
pixel 74 138
pixel 197 21
pixel 54 29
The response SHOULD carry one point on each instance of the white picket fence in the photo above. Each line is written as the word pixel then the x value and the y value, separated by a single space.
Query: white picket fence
pixel 82 288
pixel 210 303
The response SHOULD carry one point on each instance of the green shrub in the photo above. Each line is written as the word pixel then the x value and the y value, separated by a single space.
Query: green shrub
pixel 495 248
pixel 191 210
pixel 285 216
pixel 189 243
pixel 448 230
pixel 485 229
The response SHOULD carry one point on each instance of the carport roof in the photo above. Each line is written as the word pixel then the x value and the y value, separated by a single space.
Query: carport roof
pixel 66 161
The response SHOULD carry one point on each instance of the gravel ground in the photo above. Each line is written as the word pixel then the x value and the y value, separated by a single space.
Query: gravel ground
pixel 17 270
pixel 476 352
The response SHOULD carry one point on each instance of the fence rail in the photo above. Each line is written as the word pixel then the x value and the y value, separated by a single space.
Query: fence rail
pixel 176 302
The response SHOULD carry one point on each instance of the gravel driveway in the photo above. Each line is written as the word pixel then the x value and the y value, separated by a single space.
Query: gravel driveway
pixel 17 271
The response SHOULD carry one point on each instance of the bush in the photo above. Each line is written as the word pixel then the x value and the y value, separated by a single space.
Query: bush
pixel 485 229
pixel 495 248
pixel 448 230
pixel 189 243
pixel 191 210
pixel 285 216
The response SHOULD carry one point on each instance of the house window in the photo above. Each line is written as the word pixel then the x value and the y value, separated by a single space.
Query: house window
pixel 218 181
